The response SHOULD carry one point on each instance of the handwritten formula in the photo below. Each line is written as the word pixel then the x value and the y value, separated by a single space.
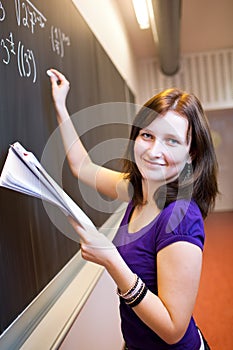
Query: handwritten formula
pixel 25 57
pixel 29 17
pixel 59 40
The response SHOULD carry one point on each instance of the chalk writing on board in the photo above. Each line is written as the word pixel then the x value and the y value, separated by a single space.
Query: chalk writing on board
pixel 8 46
pixel 28 15
pixel 26 62
pixel 25 58
pixel 2 12
pixel 59 40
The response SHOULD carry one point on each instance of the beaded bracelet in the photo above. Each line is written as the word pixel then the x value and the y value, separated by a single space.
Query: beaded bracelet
pixel 130 290
pixel 137 291
pixel 139 297
pixel 134 295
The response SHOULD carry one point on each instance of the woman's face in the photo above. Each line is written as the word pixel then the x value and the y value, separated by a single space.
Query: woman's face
pixel 161 149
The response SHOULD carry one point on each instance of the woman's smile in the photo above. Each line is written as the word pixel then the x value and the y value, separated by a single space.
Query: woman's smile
pixel 154 164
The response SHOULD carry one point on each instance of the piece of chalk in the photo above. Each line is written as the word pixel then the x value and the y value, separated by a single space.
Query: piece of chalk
pixel 50 73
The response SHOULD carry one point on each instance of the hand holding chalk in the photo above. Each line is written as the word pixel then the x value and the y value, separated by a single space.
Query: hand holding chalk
pixel 60 87
pixel 51 74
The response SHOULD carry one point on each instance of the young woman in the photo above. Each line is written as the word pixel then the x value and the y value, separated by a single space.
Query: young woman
pixel 156 257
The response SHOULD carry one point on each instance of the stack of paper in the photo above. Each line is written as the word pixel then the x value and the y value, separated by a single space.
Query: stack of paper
pixel 22 172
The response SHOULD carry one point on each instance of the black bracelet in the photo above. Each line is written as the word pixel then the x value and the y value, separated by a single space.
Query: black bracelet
pixel 135 295
pixel 139 297
pixel 130 290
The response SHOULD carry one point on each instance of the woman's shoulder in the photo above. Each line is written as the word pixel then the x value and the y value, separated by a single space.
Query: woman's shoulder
pixel 181 214
pixel 181 207
pixel 181 220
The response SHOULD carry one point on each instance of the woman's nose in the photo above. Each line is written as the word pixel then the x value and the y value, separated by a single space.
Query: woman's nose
pixel 156 149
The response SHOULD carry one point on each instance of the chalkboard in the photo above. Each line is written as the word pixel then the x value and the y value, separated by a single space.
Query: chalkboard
pixel 34 36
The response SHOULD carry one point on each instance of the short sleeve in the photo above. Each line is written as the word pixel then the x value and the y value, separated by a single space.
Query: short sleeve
pixel 180 221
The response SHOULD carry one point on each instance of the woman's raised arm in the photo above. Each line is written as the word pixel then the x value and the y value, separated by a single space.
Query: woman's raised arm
pixel 108 182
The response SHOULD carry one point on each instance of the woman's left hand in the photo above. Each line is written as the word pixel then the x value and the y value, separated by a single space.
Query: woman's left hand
pixel 95 246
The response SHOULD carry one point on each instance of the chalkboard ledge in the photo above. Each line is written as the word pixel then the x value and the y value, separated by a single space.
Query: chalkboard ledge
pixel 55 325
pixel 45 323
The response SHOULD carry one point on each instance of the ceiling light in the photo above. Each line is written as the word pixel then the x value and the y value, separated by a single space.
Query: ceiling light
pixel 152 20
pixel 141 12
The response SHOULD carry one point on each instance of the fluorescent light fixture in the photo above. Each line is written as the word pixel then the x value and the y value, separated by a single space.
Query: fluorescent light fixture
pixel 141 12
pixel 152 20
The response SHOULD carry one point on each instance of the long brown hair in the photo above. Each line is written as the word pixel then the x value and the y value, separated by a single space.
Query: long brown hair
pixel 202 185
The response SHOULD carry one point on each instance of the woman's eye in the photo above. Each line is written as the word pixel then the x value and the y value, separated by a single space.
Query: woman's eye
pixel 172 142
pixel 146 136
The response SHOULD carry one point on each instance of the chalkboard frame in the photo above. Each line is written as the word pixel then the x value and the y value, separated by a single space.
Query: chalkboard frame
pixel 21 328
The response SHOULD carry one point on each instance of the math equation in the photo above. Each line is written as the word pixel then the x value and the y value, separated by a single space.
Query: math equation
pixel 29 17
pixel 25 58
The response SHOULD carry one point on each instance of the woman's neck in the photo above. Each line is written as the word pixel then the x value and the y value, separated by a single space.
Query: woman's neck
pixel 148 191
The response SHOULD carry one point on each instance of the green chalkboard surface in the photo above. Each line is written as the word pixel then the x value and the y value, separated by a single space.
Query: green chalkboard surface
pixel 36 35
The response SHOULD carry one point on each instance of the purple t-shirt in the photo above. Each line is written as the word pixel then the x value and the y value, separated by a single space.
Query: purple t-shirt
pixel 179 221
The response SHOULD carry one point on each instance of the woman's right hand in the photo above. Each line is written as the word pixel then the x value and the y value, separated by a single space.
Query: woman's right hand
pixel 60 88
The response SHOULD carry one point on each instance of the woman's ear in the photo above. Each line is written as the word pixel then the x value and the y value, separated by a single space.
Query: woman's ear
pixel 192 156
pixel 189 160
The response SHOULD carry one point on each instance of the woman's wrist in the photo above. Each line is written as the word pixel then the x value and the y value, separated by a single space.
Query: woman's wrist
pixel 120 272
pixel 62 112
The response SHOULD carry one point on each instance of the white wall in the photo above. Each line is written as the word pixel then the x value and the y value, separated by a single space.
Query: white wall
pixel 104 20
pixel 98 324
pixel 207 74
